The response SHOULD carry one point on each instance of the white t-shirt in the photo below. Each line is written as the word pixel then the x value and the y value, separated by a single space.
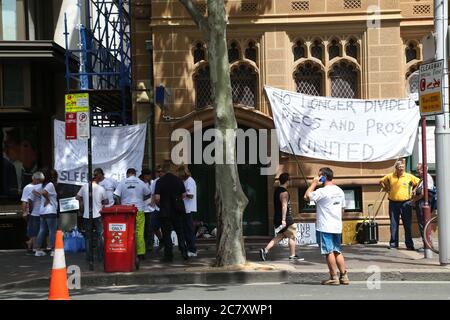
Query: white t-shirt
pixel 329 203
pixel 36 200
pixel 430 185
pixel 98 195
pixel 26 192
pixel 152 190
pixel 132 191
pixel 109 185
pixel 52 206
pixel 191 189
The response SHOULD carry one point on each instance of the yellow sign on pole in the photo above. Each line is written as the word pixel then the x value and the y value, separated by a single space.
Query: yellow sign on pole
pixel 430 88
pixel 77 102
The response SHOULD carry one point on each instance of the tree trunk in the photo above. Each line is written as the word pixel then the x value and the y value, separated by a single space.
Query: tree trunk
pixel 230 199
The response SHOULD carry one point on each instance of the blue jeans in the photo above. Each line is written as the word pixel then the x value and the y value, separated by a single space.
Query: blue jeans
pixel 98 226
pixel 401 209
pixel 48 224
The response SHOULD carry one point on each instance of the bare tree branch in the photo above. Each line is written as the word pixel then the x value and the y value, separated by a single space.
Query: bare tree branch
pixel 198 18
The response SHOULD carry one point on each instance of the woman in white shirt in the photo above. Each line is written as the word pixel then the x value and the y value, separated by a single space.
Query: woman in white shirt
pixel 49 207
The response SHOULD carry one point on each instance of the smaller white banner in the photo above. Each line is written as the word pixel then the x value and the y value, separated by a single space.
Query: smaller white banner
pixel 68 204
pixel 306 234
pixel 117 227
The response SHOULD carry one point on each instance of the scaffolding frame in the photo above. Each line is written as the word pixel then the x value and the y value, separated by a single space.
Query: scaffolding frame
pixel 103 54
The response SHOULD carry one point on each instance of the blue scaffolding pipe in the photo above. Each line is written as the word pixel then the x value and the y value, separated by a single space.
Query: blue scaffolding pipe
pixel 104 53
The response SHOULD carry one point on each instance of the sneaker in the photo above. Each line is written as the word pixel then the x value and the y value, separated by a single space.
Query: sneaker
pixel 296 257
pixel 421 250
pixel 343 278
pixel 39 253
pixel 333 281
pixel 263 254
pixel 192 254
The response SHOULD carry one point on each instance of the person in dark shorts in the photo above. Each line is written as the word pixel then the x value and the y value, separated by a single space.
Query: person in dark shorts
pixel 283 220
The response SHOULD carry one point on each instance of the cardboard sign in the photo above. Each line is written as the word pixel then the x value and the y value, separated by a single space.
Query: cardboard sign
pixel 68 204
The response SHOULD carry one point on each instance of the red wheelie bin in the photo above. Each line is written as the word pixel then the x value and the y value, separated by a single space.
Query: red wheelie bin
pixel 119 235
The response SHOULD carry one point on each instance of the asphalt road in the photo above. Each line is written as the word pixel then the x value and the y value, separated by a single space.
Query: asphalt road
pixel 260 291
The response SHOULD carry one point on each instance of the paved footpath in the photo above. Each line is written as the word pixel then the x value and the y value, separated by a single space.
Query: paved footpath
pixel 19 270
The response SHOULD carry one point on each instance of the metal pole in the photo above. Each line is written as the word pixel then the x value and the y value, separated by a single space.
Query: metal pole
pixel 442 134
pixel 91 217
pixel 428 254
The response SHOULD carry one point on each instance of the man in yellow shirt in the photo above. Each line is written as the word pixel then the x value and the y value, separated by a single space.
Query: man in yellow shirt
pixel 400 185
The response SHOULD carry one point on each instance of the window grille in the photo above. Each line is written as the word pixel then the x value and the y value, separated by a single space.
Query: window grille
pixel 202 8
pixel 244 85
pixel 352 4
pixel 344 80
pixel 413 82
pixel 309 79
pixel 422 9
pixel 249 7
pixel 300 6
pixel 203 90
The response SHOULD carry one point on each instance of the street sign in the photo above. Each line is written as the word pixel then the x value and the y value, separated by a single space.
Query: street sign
pixel 77 116
pixel 430 88
pixel 71 126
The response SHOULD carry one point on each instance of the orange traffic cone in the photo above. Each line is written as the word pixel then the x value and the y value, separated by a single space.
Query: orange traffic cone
pixel 58 282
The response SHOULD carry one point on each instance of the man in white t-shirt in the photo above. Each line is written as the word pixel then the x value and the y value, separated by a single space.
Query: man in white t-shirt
pixel 108 184
pixel 31 206
pixel 133 191
pixel 99 199
pixel 330 204
pixel 190 203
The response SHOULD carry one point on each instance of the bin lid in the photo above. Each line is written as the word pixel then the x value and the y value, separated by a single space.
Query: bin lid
pixel 119 209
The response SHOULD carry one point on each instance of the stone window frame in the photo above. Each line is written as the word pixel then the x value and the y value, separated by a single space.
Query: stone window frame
pixel 327 64
pixel 242 45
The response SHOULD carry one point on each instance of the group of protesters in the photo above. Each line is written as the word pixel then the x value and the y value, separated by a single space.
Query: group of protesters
pixel 165 202
pixel 405 191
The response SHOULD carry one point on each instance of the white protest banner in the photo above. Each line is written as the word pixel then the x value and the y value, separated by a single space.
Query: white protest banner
pixel 348 130
pixel 114 149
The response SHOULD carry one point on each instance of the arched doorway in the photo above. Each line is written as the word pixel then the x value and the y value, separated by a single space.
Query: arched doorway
pixel 254 185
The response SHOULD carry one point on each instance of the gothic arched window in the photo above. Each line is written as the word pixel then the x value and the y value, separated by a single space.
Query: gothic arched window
pixel 334 50
pixel 250 52
pixel 352 49
pixel 317 50
pixel 344 80
pixel 199 52
pixel 203 90
pixel 411 52
pixel 233 52
pixel 299 50
pixel 309 79
pixel 244 85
